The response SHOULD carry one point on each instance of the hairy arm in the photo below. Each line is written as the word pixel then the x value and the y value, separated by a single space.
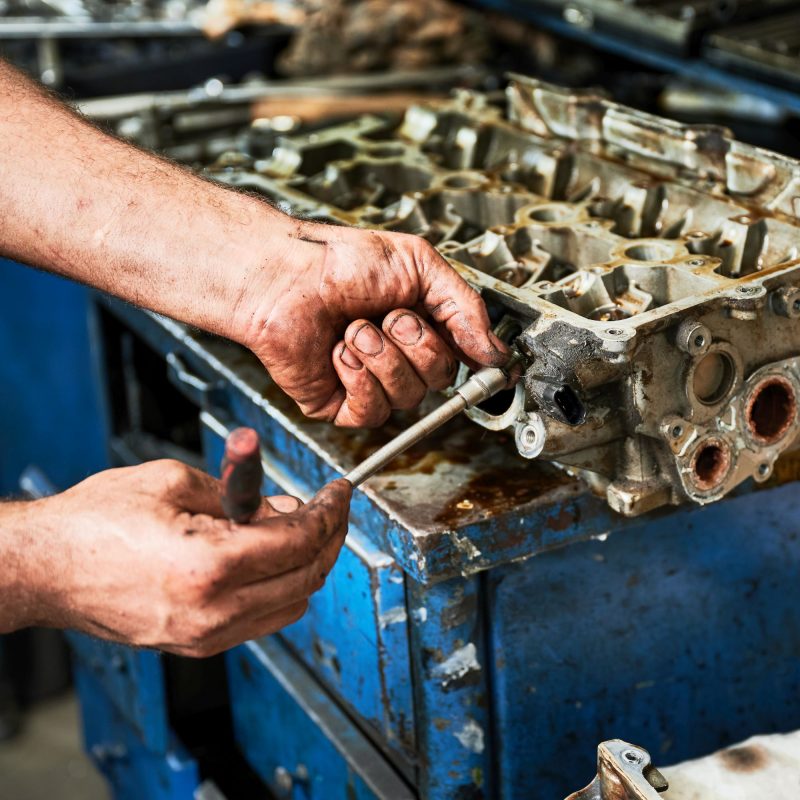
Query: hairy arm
pixel 142 555
pixel 350 323
pixel 302 296
pixel 81 203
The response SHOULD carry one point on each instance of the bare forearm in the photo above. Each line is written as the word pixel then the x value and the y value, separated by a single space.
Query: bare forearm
pixel 80 203
pixel 20 528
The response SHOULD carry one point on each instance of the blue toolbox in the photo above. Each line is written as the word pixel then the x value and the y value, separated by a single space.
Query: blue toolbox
pixel 489 620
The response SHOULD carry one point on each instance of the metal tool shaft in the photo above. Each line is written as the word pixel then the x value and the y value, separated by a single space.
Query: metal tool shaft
pixel 479 387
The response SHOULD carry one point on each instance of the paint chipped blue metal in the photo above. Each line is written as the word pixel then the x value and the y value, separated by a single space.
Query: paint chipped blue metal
pixel 682 637
pixel 133 680
pixel 506 661
pixel 451 691
pixel 354 634
pixel 297 739
pixel 133 770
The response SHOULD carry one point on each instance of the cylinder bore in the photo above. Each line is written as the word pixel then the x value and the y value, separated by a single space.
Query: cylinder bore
pixel 710 464
pixel 771 409
pixel 713 377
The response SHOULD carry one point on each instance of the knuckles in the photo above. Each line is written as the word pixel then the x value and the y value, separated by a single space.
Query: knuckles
pixel 199 577
pixel 169 475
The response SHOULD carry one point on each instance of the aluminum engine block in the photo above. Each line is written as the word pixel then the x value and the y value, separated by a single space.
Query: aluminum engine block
pixel 648 270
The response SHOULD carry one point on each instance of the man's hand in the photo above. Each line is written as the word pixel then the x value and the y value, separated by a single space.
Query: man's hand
pixel 142 556
pixel 363 322
pixel 350 323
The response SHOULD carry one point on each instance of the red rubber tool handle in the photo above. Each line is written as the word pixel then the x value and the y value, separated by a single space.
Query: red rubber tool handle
pixel 241 475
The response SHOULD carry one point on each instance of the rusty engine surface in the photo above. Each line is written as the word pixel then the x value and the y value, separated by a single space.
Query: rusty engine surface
pixel 648 270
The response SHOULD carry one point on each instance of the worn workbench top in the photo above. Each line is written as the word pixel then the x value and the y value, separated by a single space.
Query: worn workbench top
pixel 459 502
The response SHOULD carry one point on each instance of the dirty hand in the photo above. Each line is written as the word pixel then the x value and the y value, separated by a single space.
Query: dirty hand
pixel 361 322
pixel 142 556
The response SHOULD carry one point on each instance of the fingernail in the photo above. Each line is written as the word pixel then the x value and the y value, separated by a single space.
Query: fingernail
pixel 349 359
pixel 285 505
pixel 406 328
pixel 368 341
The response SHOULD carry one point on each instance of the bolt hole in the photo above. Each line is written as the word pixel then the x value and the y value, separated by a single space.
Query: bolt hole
pixel 796 306
pixel 651 251
pixel 699 340
pixel 529 437
pixel 677 431
pixel 763 469
pixel 614 332
pixel 461 181
pixel 631 757
pixel 549 214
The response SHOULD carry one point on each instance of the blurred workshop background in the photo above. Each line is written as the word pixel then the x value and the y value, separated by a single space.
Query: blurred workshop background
pixel 194 79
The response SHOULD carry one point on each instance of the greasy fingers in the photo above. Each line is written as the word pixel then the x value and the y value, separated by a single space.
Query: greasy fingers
pixel 400 383
pixel 276 505
pixel 290 541
pixel 318 344
pixel 259 579
pixel 430 357
pixel 365 404
pixel 451 302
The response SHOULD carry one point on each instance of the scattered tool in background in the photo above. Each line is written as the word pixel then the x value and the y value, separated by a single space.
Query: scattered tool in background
pixel 241 474
pixel 476 389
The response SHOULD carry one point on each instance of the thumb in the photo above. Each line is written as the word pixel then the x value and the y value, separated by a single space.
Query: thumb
pixel 452 302
pixel 329 509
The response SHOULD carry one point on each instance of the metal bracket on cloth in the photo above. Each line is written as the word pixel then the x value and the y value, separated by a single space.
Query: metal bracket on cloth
pixel 624 772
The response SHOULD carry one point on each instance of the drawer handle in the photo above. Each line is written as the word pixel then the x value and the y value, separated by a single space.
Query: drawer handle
pixel 198 389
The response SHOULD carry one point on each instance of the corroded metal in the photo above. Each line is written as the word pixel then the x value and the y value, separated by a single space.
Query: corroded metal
pixel 647 269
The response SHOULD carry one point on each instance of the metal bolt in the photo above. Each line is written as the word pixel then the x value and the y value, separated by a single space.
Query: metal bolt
pixel 693 337
pixel 786 302
pixel 302 773
pixel 283 780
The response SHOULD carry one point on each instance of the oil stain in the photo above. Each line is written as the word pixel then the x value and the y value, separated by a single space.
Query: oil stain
pixel 748 758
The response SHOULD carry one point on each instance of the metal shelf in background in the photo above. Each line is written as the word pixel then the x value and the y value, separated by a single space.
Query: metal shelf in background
pixel 691 68
pixel 46 27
